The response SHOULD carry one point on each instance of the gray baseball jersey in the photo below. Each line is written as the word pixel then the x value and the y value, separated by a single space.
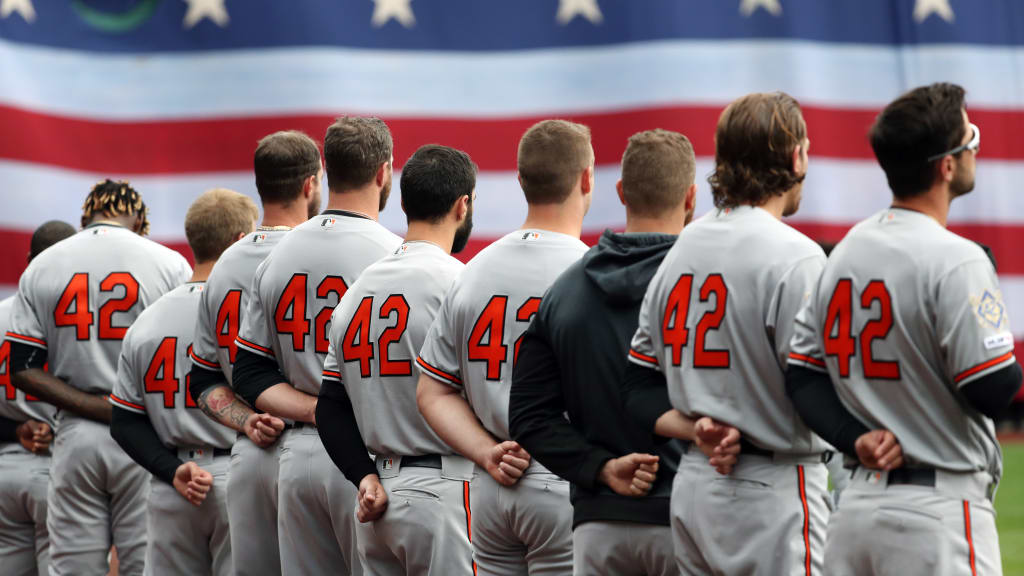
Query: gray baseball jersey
pixel 376 331
pixel 287 318
pixel 225 297
pixel 252 483
pixel 906 314
pixel 77 299
pixel 735 279
pixel 152 379
pixel 14 403
pixel 152 375
pixel 298 285
pixel 472 343
pixel 24 476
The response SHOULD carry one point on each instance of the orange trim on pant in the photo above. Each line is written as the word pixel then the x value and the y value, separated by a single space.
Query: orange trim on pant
pixel 807 520
pixel 469 519
pixel 970 538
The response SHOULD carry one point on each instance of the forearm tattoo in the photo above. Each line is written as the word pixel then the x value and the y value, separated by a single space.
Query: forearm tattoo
pixel 221 404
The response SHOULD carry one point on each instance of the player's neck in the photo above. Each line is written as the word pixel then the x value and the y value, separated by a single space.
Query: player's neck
pixel 776 205
pixel 934 203
pixel 441 235
pixel 560 218
pixel 280 215
pixel 201 271
pixel 364 201
pixel 668 224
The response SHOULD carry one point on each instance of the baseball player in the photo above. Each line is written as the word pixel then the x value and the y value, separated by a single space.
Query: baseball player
pixel 26 431
pixel 572 360
pixel 716 323
pixel 369 385
pixel 909 323
pixel 283 341
pixel 522 519
pixel 155 419
pixel 74 304
pixel 288 179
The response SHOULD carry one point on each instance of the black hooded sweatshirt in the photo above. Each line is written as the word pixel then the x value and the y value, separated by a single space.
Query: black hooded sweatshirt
pixel 571 364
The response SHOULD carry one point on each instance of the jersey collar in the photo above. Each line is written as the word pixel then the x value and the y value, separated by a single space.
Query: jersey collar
pixel 334 212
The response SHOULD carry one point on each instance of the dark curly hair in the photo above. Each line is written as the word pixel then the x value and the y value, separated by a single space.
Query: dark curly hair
pixel 754 145
pixel 115 198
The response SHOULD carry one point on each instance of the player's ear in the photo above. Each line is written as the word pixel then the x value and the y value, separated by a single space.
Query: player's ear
pixel 690 201
pixel 461 208
pixel 587 180
pixel 618 189
pixel 309 187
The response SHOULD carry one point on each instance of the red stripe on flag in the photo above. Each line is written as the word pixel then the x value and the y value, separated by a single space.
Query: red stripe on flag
pixel 226 144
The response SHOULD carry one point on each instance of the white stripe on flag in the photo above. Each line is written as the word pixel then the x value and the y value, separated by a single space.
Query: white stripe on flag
pixel 517 83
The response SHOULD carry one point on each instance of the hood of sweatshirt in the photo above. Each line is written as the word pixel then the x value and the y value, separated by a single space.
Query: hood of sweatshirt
pixel 622 265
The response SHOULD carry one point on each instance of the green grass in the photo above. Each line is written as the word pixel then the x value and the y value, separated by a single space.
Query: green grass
pixel 1010 509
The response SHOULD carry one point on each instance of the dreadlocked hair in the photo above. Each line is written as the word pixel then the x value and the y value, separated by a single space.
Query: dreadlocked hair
pixel 115 198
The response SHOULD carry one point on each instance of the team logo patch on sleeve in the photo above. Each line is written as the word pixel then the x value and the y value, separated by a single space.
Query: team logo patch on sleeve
pixel 989 309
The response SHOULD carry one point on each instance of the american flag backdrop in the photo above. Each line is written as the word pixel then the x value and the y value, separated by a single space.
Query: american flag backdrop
pixel 174 94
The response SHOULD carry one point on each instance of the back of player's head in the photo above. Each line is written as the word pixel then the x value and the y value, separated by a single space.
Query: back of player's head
pixel 216 220
pixel 433 180
pixel 552 154
pixel 658 168
pixel 916 126
pixel 282 163
pixel 754 144
pixel 115 199
pixel 354 149
pixel 48 234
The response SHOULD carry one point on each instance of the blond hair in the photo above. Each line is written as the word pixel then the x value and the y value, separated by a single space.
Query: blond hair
pixel 216 219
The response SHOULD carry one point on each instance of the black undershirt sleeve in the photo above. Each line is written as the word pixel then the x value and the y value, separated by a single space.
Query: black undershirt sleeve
pixel 8 430
pixel 135 433
pixel 992 393
pixel 817 402
pixel 202 379
pixel 336 423
pixel 645 394
pixel 253 374
pixel 536 414
pixel 24 357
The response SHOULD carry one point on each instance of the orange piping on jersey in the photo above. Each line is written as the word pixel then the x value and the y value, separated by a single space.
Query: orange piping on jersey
pixel 437 371
pixel 970 540
pixel 469 517
pixel 644 357
pixel 27 339
pixel 808 359
pixel 807 520
pixel 332 374
pixel 978 368
pixel 202 361
pixel 127 403
pixel 254 346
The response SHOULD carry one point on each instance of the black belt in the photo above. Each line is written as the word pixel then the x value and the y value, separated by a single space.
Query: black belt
pixel 913 476
pixel 301 425
pixel 427 461
pixel 216 452
pixel 748 448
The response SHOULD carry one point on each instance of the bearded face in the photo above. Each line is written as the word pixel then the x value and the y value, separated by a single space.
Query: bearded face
pixel 462 233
